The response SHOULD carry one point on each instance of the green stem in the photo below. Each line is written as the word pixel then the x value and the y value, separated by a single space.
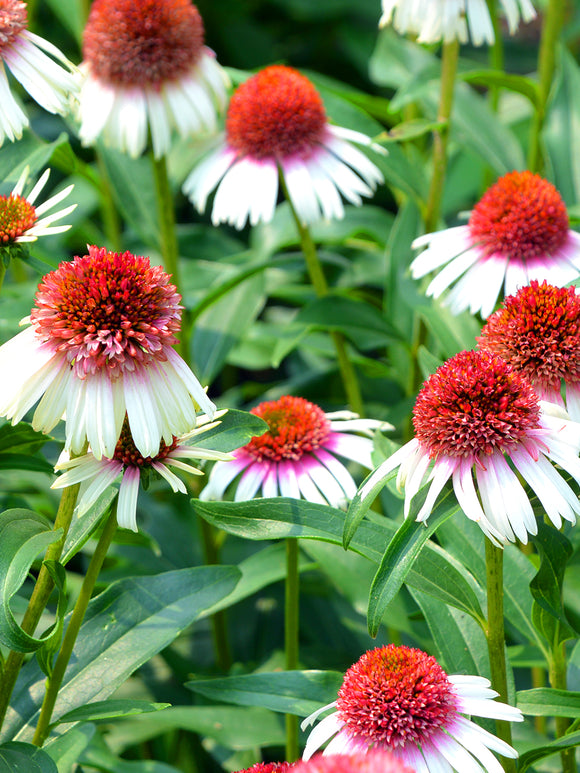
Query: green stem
pixel 450 57
pixel 2 272
pixel 320 285
pixel 76 619
pixel 496 639
pixel 218 619
pixel 168 238
pixel 40 595
pixel 558 680
pixel 291 627
pixel 553 23
pixel 111 220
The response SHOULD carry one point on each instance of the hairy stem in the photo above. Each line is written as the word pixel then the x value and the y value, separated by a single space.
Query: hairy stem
pixel 291 627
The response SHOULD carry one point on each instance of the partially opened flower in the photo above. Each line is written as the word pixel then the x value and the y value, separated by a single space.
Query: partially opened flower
pixel 517 232
pixel 276 123
pixel 537 331
pixel 147 72
pixel 399 699
pixel 447 20
pixel 362 762
pixel 31 60
pixel 128 462
pixel 476 414
pixel 297 456
pixel 20 219
pixel 100 344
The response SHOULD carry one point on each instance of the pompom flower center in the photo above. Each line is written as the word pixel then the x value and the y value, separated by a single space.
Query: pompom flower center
pixel 107 311
pixel 295 427
pixel 394 696
pixel 127 453
pixel 522 216
pixel 276 113
pixel 473 405
pixel 16 217
pixel 537 331
pixel 268 767
pixel 142 43
pixel 13 19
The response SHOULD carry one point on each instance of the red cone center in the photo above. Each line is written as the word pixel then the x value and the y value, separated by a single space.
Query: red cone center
pixel 521 217
pixel 276 114
pixel 142 43
pixel 16 217
pixel 295 427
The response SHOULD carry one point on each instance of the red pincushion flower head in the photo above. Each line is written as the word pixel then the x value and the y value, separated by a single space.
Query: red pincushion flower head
pixel 31 60
pixel 147 70
pixel 537 331
pixel 297 456
pixel 100 345
pixel 400 700
pixel 517 232
pixel 476 414
pixel 276 124
pixel 268 767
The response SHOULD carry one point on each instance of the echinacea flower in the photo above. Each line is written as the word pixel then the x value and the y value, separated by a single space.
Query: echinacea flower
pixel 363 762
pixel 126 461
pixel 477 414
pixel 100 344
pixel 147 71
pixel 19 218
pixel 537 331
pixel 23 52
pixel 447 20
pixel 517 232
pixel 399 699
pixel 276 123
pixel 297 456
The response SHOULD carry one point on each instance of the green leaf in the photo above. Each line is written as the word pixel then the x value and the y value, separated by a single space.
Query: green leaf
pixel 461 646
pixel 529 758
pixel 436 573
pixel 24 462
pixel 400 556
pixel 222 326
pixel 21 439
pixel 66 750
pixel 24 758
pixel 236 428
pixel 362 323
pixel 29 151
pixel 124 627
pixel 133 189
pixel 98 756
pixel 46 653
pixel 101 711
pixel 548 613
pixel 548 702
pixel 562 127
pixel 411 130
pixel 23 535
pixel 231 726
pixel 520 84
pixel 81 528
pixel 290 692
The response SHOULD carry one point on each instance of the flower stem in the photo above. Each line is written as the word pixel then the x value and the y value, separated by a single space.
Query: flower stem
pixel 553 23
pixel 40 595
pixel 496 639
pixel 450 57
pixel 111 221
pixel 557 673
pixel 291 627
pixel 76 618
pixel 320 285
pixel 218 620
pixel 168 239
pixel 2 272
pixel 496 52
